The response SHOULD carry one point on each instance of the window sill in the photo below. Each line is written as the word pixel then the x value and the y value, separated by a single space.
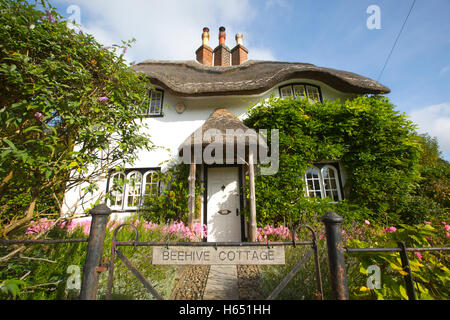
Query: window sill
pixel 154 116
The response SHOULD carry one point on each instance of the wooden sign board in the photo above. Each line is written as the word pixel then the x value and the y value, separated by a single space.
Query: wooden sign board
pixel 221 255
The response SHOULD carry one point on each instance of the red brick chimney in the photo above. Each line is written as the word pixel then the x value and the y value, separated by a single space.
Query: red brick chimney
pixel 222 54
pixel 239 53
pixel 205 53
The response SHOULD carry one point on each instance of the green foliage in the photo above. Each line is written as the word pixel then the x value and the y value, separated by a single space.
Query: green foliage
pixel 430 270
pixel 171 203
pixel 435 173
pixel 375 144
pixel 417 209
pixel 10 288
pixel 45 272
pixel 65 102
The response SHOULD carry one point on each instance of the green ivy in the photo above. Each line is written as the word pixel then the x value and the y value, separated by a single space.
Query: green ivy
pixel 376 145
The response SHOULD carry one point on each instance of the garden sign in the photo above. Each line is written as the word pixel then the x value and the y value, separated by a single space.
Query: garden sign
pixel 218 255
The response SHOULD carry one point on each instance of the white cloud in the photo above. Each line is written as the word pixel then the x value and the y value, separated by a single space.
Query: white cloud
pixel 170 29
pixel 435 120
pixel 445 69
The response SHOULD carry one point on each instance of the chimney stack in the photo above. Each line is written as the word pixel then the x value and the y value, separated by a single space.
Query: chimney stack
pixel 239 53
pixel 205 53
pixel 222 52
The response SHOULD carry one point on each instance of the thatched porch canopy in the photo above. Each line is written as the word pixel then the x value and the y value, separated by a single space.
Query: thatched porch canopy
pixel 225 128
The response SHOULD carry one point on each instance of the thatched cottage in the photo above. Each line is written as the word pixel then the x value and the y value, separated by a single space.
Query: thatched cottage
pixel 212 93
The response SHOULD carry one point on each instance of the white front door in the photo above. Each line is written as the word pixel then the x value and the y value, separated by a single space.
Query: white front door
pixel 223 208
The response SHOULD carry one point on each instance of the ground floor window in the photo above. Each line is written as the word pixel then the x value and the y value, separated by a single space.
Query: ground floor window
pixel 323 180
pixel 128 188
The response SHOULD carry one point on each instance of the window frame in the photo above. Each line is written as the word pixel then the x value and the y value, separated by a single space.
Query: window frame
pixel 148 115
pixel 320 168
pixel 111 181
pixel 127 173
pixel 128 189
pixel 302 84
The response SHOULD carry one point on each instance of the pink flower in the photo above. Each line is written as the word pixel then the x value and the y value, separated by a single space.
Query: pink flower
pixel 427 222
pixel 390 229
pixel 367 222
pixel 447 227
pixel 443 222
pixel 39 116
pixel 418 255
pixel 103 99
pixel 447 235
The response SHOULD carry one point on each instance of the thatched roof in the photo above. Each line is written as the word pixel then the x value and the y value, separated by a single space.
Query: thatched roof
pixel 217 124
pixel 191 78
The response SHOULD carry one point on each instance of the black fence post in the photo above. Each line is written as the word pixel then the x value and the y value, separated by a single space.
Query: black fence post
pixel 89 285
pixel 406 267
pixel 336 259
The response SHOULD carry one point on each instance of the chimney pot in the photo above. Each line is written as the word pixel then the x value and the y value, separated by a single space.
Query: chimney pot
pixel 239 53
pixel 222 35
pixel 239 38
pixel 205 53
pixel 205 36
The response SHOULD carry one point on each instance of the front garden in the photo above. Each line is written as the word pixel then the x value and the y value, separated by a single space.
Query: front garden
pixel 41 272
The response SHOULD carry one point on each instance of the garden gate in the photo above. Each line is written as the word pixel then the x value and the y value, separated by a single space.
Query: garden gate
pixel 215 253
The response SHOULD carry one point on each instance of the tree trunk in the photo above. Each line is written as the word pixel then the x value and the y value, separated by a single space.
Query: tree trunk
pixel 29 214
pixel 4 184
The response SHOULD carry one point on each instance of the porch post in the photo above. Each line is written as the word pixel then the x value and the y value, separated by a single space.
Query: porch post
pixel 251 178
pixel 191 199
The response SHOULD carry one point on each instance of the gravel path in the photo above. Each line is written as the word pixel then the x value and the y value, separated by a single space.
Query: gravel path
pixel 191 282
pixel 249 282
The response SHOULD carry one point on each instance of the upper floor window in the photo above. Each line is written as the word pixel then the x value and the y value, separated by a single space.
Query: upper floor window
pixel 301 90
pixel 139 184
pixel 323 182
pixel 156 103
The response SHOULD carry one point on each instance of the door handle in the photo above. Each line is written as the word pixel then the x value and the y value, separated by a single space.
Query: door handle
pixel 237 211
pixel 224 212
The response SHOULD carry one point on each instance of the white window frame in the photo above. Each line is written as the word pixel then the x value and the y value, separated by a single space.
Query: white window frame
pixel 323 193
pixel 144 182
pixel 115 206
pixel 291 86
pixel 128 189
pixel 336 178
pixel 151 113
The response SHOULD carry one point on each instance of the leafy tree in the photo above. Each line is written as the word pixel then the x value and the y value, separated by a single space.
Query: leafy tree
pixel 64 109
pixel 435 172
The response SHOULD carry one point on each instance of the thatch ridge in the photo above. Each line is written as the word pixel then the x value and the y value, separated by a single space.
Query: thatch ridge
pixel 191 78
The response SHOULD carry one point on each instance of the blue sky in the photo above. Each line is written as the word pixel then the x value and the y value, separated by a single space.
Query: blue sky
pixel 325 33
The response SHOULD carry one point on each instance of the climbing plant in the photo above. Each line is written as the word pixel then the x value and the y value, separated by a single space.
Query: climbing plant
pixel 376 144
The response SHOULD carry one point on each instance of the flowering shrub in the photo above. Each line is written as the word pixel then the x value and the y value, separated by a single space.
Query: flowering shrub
pixel 272 233
pixel 70 226
pixel 176 230
pixel 430 269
